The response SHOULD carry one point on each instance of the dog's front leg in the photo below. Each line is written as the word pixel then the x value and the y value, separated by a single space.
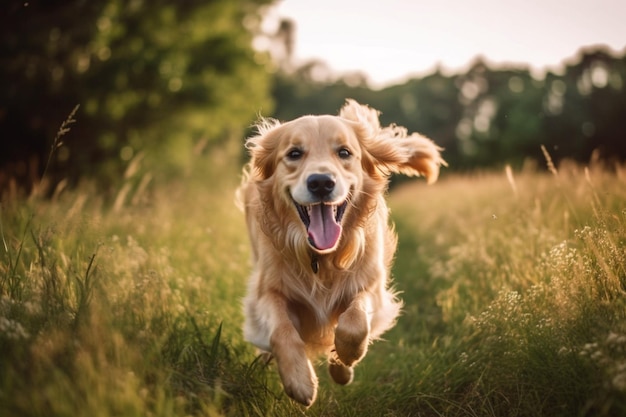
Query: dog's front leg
pixel 294 367
pixel 353 328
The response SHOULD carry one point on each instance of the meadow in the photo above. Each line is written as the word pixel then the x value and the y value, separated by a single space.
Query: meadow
pixel 128 303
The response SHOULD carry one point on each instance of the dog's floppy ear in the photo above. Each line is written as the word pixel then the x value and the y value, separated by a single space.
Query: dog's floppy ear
pixel 390 149
pixel 365 116
pixel 393 151
pixel 263 148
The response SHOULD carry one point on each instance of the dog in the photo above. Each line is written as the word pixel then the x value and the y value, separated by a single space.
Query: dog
pixel 322 246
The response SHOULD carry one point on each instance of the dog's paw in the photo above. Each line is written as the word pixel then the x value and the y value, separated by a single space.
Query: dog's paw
pixel 301 385
pixel 351 336
pixel 294 368
pixel 340 373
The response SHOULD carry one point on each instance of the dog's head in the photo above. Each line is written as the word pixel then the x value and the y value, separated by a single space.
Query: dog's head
pixel 322 166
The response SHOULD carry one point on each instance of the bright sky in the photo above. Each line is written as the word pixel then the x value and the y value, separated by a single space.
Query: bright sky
pixel 390 40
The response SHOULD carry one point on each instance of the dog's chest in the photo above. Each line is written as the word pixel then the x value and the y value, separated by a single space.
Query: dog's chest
pixel 330 291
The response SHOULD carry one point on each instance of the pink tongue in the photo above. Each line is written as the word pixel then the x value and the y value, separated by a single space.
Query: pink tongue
pixel 324 231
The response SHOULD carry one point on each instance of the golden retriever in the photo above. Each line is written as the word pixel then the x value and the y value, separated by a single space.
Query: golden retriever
pixel 322 245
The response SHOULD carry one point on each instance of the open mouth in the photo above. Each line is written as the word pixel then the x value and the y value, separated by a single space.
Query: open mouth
pixel 323 223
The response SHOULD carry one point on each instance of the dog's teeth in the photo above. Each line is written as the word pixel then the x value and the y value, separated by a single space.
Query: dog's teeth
pixel 309 209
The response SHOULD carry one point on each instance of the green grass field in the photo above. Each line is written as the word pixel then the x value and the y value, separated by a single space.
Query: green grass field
pixel 129 304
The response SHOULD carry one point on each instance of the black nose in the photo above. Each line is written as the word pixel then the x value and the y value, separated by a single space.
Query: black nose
pixel 320 185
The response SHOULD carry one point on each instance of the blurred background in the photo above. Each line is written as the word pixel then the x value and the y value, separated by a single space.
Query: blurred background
pixel 166 83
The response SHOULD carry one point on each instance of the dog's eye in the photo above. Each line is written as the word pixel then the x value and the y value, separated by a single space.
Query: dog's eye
pixel 344 153
pixel 294 154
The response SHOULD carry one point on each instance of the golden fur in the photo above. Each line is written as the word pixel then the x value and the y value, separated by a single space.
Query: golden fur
pixel 325 290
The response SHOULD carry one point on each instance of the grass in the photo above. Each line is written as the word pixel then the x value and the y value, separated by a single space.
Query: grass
pixel 129 305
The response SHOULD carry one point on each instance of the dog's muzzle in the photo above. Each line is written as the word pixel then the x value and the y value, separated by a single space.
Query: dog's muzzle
pixel 323 223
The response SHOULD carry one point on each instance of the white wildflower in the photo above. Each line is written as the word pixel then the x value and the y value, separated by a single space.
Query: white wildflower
pixel 619 381
pixel 11 329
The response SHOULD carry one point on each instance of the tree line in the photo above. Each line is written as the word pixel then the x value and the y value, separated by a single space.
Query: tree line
pixel 488 117
pixel 165 81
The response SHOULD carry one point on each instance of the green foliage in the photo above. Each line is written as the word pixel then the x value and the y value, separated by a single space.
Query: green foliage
pixel 153 78
pixel 488 117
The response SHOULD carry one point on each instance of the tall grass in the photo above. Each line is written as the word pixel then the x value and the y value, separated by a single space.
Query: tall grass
pixel 528 276
pixel 129 304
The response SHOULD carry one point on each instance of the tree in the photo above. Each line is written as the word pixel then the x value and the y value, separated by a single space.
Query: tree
pixel 155 77
pixel 486 116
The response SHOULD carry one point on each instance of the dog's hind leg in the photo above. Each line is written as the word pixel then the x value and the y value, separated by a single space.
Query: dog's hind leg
pixel 340 373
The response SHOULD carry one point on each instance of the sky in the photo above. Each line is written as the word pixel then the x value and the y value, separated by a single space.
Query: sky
pixel 392 40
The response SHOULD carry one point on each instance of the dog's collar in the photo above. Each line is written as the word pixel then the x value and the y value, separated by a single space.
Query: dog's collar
pixel 315 264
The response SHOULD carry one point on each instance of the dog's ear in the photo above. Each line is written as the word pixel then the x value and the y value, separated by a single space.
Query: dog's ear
pixel 390 149
pixel 364 116
pixel 263 148
pixel 393 151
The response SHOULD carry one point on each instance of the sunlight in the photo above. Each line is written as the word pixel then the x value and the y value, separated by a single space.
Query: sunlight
pixel 516 84
pixel 486 111
pixel 416 37
pixel 553 103
pixel 599 75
